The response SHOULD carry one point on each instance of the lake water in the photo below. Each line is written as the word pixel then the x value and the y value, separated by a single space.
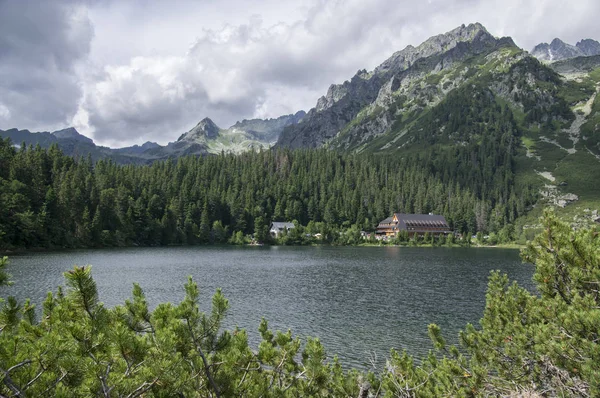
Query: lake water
pixel 360 301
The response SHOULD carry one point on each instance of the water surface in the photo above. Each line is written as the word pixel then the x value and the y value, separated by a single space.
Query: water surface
pixel 360 301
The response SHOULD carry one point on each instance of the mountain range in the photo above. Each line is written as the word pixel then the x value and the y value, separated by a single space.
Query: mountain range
pixel 558 50
pixel 455 93
pixel 204 139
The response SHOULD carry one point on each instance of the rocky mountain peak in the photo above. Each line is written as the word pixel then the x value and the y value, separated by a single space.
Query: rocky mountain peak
pixel 343 102
pixel 559 50
pixel 474 33
pixel 299 115
pixel 205 128
pixel 465 32
pixel 71 133
pixel 210 129
pixel 149 145
pixel 403 59
pixel 589 47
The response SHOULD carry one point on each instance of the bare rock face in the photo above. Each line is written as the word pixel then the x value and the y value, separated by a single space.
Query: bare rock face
pixel 72 134
pixel 343 102
pixel 555 51
pixel 402 60
pixel 207 138
pixel 335 93
pixel 558 50
pixel 206 128
pixel 267 130
pixel 589 47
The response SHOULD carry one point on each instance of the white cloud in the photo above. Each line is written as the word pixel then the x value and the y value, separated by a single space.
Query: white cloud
pixel 4 112
pixel 154 69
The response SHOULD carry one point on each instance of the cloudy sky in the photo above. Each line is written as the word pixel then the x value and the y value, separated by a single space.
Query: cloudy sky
pixel 126 72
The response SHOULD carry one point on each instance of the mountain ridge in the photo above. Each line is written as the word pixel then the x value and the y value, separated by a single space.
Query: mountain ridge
pixel 558 50
pixel 342 103
pixel 203 139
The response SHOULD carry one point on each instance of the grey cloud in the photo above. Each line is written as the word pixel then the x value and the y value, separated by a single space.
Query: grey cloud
pixel 254 69
pixel 40 46
pixel 244 71
pixel 154 98
pixel 249 70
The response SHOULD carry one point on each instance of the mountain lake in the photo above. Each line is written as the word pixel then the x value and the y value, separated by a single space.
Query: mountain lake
pixel 360 301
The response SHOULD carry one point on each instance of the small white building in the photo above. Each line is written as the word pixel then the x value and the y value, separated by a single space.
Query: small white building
pixel 278 227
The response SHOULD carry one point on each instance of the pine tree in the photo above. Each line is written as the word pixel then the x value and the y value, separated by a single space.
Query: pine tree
pixel 4 277
pixel 96 228
pixel 164 203
pixel 204 229
pixel 218 233
pixel 261 230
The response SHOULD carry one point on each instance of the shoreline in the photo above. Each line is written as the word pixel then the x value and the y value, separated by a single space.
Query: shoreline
pixel 24 251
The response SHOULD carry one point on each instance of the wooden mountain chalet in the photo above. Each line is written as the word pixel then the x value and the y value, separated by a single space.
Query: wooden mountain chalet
pixel 414 224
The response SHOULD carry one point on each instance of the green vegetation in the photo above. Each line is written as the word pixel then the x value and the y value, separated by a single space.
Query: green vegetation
pixel 587 185
pixel 537 344
pixel 575 92
pixel 51 200
pixel 591 129
pixel 434 78
pixel 527 143
pixel 505 104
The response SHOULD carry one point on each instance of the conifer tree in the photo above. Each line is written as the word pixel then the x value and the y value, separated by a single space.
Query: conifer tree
pixel 261 230
pixel 204 229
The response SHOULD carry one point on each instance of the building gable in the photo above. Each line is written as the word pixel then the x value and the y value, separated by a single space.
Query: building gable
pixel 278 227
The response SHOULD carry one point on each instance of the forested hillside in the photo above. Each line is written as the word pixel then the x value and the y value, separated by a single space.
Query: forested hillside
pixel 473 118
pixel 463 93
pixel 52 200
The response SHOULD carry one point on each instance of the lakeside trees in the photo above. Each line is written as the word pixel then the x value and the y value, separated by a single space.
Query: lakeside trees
pixel 51 200
pixel 544 344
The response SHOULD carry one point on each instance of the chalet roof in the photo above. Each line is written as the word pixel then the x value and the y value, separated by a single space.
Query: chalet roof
pixel 417 221
pixel 420 217
pixel 281 225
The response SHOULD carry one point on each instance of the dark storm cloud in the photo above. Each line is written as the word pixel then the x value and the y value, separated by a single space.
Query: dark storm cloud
pixel 40 45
